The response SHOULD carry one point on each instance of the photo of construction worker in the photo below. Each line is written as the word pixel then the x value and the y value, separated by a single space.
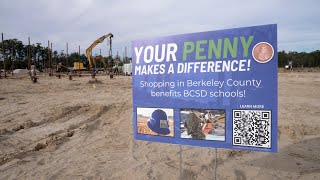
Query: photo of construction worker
pixel 155 121
pixel 202 124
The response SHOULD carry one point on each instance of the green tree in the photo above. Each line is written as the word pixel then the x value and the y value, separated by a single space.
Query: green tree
pixel 282 59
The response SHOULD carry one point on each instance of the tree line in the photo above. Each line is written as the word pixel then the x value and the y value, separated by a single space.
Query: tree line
pixel 299 59
pixel 17 56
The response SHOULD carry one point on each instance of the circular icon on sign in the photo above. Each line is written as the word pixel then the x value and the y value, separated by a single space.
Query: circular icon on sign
pixel 262 52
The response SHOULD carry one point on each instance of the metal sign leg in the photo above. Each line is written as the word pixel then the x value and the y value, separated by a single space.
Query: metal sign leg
pixel 180 162
pixel 215 164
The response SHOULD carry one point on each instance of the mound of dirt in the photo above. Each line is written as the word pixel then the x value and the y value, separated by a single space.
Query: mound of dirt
pixel 95 81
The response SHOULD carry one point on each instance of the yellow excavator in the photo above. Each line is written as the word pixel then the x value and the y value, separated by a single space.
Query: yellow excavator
pixel 94 44
pixel 99 58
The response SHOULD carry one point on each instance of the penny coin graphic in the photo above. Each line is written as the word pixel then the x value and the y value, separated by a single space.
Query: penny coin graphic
pixel 262 52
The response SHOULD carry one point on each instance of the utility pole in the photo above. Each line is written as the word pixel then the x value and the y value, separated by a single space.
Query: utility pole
pixel 79 59
pixel 49 57
pixel 67 64
pixel 29 49
pixel 34 61
pixel 125 52
pixel 54 59
pixel 12 60
pixel 4 60
pixel 33 73
pixel 110 52
pixel 100 60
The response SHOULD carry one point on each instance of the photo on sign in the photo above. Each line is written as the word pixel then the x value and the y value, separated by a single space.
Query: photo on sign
pixel 155 121
pixel 203 124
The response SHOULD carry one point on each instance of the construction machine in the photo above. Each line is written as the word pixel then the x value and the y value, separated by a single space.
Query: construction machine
pixel 78 66
pixel 61 68
pixel 94 44
pixel 101 59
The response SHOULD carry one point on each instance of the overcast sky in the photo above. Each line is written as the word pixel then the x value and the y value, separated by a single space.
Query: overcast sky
pixel 80 22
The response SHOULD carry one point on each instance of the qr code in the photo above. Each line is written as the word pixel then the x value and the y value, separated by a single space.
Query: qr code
pixel 251 128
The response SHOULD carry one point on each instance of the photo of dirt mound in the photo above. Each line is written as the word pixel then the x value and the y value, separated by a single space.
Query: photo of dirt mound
pixel 62 129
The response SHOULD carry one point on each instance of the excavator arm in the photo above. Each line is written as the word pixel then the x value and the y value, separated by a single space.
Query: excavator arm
pixel 101 59
pixel 94 44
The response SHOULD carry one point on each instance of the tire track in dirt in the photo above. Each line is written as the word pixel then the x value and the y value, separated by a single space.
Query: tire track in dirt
pixel 54 140
pixel 31 111
pixel 98 120
pixel 102 110
pixel 59 113
pixel 298 131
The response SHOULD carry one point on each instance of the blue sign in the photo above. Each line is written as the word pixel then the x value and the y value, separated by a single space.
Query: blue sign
pixel 212 89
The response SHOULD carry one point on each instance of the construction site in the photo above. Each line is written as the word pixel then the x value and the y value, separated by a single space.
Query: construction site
pixel 70 117
pixel 52 64
pixel 82 129
pixel 60 121
pixel 146 90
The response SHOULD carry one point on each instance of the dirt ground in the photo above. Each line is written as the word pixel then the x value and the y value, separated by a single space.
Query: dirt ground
pixel 62 129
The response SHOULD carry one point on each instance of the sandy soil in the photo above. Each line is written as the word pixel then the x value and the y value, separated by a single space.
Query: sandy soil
pixel 62 129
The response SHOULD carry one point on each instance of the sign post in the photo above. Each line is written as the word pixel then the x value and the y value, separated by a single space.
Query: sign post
pixel 181 171
pixel 215 89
